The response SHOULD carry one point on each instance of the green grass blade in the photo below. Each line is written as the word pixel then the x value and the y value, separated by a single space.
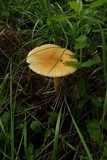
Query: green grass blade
pixel 2 127
pixel 3 85
pixel 12 114
pixel 104 108
pixel 104 50
pixel 69 145
pixel 54 153
pixel 104 55
pixel 104 58
pixel 79 133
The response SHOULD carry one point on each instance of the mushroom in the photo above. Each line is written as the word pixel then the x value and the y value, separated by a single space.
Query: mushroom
pixel 48 60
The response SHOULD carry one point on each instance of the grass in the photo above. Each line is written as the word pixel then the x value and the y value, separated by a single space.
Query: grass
pixel 12 113
pixel 79 133
pixel 35 122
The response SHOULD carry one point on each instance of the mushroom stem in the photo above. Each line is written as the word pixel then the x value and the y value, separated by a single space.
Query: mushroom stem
pixel 57 83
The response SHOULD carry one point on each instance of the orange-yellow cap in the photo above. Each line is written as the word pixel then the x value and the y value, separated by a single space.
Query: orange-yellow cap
pixel 48 60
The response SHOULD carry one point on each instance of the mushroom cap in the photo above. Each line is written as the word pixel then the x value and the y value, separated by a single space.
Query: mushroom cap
pixel 48 60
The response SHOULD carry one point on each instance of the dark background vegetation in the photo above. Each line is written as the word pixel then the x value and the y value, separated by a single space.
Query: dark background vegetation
pixel 35 122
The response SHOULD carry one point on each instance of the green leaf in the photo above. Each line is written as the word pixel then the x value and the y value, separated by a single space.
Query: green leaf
pixel 47 133
pixel 86 64
pixel 90 63
pixel 30 151
pixel 5 118
pixel 35 126
pixel 104 124
pixel 105 151
pixel 97 3
pixel 52 118
pixel 73 64
pixel 57 18
pixel 81 42
pixel 94 131
pixel 37 152
pixel 76 5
